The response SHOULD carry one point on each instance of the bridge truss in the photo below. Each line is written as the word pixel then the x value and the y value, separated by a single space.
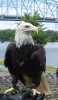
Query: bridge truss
pixel 12 10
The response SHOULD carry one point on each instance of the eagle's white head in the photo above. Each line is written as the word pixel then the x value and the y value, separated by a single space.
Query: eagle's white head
pixel 24 33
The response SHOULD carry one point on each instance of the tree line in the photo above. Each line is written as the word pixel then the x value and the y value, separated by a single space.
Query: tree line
pixel 7 35
pixel 42 36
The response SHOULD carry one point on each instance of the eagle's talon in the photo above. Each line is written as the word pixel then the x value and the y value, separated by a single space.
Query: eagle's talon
pixel 34 91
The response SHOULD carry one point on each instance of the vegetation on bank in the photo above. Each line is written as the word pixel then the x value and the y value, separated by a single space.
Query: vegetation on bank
pixel 7 35
pixel 42 36
pixel 3 89
pixel 1 61
pixel 51 69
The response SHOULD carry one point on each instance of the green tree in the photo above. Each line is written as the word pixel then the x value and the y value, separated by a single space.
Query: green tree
pixel 7 35
pixel 31 18
pixel 41 36
pixel 52 36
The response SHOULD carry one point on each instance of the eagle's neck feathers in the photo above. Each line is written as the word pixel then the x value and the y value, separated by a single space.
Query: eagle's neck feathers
pixel 23 38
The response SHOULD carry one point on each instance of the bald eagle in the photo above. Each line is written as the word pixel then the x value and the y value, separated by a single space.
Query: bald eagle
pixel 24 33
pixel 25 60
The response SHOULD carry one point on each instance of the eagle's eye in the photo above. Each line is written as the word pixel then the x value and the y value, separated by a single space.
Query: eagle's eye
pixel 26 26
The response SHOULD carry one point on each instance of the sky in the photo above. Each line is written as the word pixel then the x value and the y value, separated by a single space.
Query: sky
pixel 12 11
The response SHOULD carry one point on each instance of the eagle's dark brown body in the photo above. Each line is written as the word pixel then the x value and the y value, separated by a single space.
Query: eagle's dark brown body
pixel 29 60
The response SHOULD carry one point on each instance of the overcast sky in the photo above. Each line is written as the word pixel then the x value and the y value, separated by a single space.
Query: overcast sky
pixel 12 11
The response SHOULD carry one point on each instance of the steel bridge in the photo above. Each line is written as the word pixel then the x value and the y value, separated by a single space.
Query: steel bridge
pixel 12 10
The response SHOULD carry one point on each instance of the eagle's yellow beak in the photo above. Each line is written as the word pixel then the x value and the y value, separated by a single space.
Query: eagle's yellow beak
pixel 34 28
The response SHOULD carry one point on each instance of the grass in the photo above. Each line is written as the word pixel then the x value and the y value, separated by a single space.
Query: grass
pixel 1 61
pixel 2 89
pixel 51 69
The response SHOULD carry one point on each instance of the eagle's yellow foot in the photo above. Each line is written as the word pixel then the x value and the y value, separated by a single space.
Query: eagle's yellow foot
pixel 34 91
pixel 11 90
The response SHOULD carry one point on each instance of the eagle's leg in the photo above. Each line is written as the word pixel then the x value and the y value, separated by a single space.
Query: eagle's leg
pixel 13 89
pixel 43 87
